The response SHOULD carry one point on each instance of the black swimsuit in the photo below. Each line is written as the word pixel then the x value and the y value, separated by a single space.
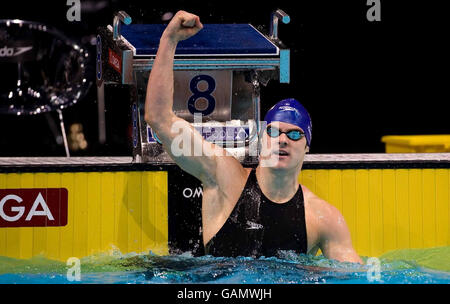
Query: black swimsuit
pixel 259 227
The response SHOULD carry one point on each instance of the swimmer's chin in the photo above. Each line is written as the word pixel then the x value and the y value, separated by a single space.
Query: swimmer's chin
pixel 276 164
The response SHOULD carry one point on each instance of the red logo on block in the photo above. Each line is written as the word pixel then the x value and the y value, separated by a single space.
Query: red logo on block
pixel 115 61
pixel 33 207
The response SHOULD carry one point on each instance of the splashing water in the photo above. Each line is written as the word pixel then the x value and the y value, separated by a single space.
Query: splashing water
pixel 185 268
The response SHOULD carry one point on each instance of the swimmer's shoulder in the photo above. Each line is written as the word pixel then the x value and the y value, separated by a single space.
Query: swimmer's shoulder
pixel 318 207
pixel 312 201
pixel 327 221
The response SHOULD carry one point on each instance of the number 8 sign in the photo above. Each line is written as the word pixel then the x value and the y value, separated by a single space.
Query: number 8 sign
pixel 206 94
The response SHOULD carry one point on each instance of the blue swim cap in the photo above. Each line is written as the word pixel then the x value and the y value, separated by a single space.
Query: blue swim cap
pixel 291 111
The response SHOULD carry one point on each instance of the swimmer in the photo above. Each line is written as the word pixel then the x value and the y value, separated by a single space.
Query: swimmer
pixel 248 211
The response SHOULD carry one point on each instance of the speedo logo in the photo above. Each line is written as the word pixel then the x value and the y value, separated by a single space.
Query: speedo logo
pixel 14 51
pixel 253 225
pixel 288 108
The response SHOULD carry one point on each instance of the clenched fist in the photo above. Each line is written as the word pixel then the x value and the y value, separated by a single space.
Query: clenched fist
pixel 182 26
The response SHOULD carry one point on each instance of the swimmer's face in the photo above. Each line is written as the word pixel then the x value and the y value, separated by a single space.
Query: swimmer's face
pixel 281 152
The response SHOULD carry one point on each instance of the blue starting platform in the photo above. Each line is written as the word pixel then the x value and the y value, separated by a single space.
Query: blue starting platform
pixel 212 40
pixel 217 75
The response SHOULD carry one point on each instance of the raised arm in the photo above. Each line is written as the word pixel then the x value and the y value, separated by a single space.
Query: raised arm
pixel 193 154
pixel 159 99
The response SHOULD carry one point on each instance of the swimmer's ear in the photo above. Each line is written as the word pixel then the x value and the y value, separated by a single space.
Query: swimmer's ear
pixel 307 149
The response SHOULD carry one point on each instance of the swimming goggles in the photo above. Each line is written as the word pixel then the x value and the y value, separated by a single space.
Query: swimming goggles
pixel 292 134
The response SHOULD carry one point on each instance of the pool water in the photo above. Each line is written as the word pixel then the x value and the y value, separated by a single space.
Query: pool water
pixel 400 267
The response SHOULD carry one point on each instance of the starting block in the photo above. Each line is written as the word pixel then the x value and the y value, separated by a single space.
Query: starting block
pixel 217 78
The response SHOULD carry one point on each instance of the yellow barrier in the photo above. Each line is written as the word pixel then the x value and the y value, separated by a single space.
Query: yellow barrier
pixel 106 211
pixel 388 209
pixel 417 143
pixel 385 209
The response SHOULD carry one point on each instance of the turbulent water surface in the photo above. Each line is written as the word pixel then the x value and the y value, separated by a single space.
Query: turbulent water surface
pixel 399 267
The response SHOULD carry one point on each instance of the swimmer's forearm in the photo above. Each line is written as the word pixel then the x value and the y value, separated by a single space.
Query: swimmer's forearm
pixel 159 99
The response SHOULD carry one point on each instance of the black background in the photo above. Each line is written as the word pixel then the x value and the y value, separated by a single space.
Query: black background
pixel 360 80
pixel 279 292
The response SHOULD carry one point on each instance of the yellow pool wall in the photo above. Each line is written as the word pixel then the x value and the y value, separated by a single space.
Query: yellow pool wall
pixel 385 209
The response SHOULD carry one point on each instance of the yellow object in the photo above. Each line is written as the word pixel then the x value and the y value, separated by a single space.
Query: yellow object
pixel 417 143
pixel 387 209
pixel 107 211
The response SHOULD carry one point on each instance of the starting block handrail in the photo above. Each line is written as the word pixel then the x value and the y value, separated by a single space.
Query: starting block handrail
pixel 120 17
